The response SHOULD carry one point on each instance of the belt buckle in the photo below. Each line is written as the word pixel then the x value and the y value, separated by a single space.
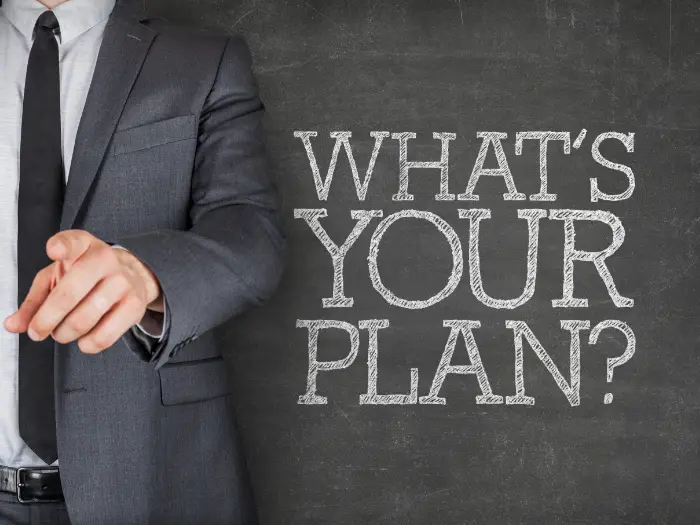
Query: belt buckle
pixel 21 484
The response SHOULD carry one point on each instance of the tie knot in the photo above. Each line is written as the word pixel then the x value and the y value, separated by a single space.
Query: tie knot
pixel 48 21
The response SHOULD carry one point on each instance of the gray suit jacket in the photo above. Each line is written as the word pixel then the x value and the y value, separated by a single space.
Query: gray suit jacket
pixel 169 163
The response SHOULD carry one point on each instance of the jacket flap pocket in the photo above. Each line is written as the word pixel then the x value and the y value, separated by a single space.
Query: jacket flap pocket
pixel 193 381
pixel 155 134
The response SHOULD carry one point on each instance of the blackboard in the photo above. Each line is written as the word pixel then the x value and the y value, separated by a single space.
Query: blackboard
pixel 626 67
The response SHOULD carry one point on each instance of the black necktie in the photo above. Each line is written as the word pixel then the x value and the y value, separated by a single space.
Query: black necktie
pixel 41 188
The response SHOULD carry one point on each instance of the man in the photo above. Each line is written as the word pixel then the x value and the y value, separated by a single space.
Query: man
pixel 137 214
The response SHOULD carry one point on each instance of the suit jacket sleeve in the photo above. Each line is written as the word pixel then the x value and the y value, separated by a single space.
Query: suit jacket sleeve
pixel 150 319
pixel 231 257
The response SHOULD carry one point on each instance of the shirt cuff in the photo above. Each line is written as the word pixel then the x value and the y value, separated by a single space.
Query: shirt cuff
pixel 153 324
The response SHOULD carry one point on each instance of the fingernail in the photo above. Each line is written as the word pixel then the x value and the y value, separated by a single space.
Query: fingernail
pixel 32 335
pixel 58 247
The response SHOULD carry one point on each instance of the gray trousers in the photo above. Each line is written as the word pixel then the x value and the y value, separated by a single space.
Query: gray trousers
pixel 12 512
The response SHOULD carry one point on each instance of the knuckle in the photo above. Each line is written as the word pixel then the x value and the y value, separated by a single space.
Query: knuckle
pixel 87 346
pixel 64 335
pixel 67 295
pixel 40 324
pixel 102 340
pixel 134 303
pixel 121 281
pixel 100 302
pixel 77 324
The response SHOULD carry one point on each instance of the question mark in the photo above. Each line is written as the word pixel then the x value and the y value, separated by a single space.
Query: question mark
pixel 614 362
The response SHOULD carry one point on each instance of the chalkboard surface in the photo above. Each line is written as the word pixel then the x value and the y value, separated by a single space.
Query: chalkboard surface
pixel 605 425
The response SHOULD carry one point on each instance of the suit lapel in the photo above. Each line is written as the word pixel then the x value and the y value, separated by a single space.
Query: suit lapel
pixel 123 50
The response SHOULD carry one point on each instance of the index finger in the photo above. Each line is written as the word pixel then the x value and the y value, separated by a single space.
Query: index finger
pixel 43 283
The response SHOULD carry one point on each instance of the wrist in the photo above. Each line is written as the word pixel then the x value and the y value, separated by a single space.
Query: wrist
pixel 151 286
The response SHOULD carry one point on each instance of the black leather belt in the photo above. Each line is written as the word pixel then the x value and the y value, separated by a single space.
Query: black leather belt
pixel 32 484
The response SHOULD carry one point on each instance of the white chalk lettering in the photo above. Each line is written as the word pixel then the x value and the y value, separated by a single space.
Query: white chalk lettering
pixel 363 218
pixel 457 259
pixel 503 170
pixel 316 366
pixel 475 215
pixel 342 138
pixel 445 367
pixel 571 391
pixel 571 254
pixel 405 165
pixel 371 397
pixel 544 137
pixel 628 141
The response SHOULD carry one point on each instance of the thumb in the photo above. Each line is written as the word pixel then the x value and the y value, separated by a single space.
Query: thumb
pixel 69 245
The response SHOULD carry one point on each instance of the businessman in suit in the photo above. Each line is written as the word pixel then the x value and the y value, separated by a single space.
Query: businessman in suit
pixel 137 213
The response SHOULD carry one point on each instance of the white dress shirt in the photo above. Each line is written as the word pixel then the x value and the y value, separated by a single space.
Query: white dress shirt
pixel 82 24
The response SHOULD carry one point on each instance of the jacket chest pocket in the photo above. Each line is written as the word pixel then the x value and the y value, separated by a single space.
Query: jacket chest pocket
pixel 193 381
pixel 154 134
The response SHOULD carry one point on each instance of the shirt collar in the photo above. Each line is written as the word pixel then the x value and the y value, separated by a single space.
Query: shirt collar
pixel 74 16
